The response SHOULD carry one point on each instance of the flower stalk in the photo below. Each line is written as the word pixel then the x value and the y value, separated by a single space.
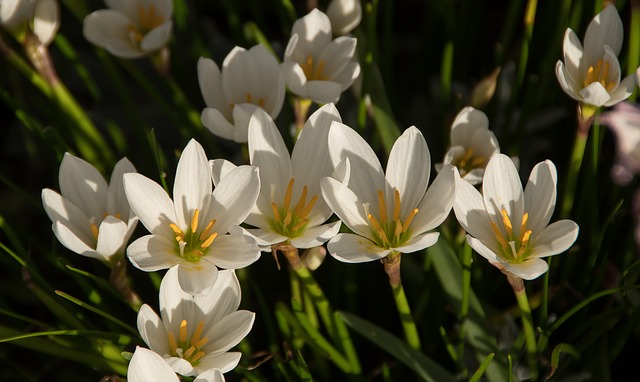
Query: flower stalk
pixel 392 268
pixel 527 322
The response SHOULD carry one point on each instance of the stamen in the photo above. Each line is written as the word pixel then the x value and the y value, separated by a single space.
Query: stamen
pixel 205 244
pixel 117 215
pixel 288 195
pixel 523 225
pixel 197 333
pixel 382 207
pixel 477 161
pixel 194 220
pixel 189 351
pixel 409 219
pixel 382 235
pixel 172 343
pixel 183 331
pixel 374 222
pixel 201 343
pixel 301 202
pixel 176 229
pixel 276 213
pixel 309 207
pixel 205 233
pixel 398 229
pixel 94 231
pixel 299 224
pixel 507 223
pixel 318 74
pixel 307 67
pixel 248 98
pixel 525 238
pixel 465 158
pixel 287 219
pixel 498 234
pixel 396 205
pixel 197 357
pixel 261 102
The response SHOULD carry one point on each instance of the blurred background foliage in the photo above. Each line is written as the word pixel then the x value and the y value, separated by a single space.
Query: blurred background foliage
pixel 422 62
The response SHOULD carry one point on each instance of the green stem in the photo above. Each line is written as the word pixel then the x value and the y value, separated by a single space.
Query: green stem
pixel 464 305
pixel 301 110
pixel 392 267
pixel 527 323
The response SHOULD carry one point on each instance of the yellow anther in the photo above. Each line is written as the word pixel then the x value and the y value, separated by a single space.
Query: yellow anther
pixel 507 223
pixel 201 343
pixel 176 229
pixel 301 202
pixel 260 102
pixel 288 195
pixel 396 205
pixel 307 67
pixel 287 219
pixel 498 234
pixel 172 343
pixel 383 236
pixel 197 357
pixel 477 162
pixel 382 207
pixel 409 219
pixel 183 331
pixel 465 158
pixel 299 224
pixel 195 337
pixel 117 215
pixel 207 229
pixel 205 244
pixel 523 225
pixel 398 229
pixel 194 220
pixel 318 74
pixel 309 207
pixel 276 213
pixel 94 231
pixel 248 98
pixel 178 238
pixel 525 238
pixel 189 351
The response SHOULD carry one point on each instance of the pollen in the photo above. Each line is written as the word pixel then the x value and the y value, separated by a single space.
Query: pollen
pixel 313 71
pixel 599 73
pixel 469 162
pixel 188 347
pixel 389 233
pixel 192 242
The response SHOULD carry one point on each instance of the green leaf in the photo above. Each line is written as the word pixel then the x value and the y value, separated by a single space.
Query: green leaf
pixel 424 366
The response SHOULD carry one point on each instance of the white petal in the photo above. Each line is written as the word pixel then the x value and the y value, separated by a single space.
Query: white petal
pixel 84 186
pixel 555 239
pixel 529 269
pixel 68 214
pixel 623 91
pixel 483 250
pixel 234 251
pixel 268 152
pixel 210 81
pixel 502 190
pixel 211 375
pixel 109 29
pixel 567 83
pixel 408 171
pixel 572 50
pixel 345 15
pixel 180 366
pixel 294 78
pixel 418 243
pixel 314 31
pixel 220 168
pixel 151 203
pixel 346 205
pixel 470 211
pixel 147 366
pixel 152 330
pixel 323 91
pixel 266 236
pixel 192 183
pixel 350 248
pixel 225 361
pixel 223 299
pixel 234 198
pixel 72 242
pixel 46 20
pixel 270 81
pixel 197 276
pixel 337 55
pixel 216 122
pixel 605 29
pixel 540 195
pixel 242 113
pixel 229 331
pixel 111 236
pixel 157 38
pixel 151 253
pixel 117 202
pixel 595 94
pixel 465 124
pixel 437 202
pixel 315 236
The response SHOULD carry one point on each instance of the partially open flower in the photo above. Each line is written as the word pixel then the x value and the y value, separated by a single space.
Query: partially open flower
pixel 316 67
pixel 41 16
pixel 345 15
pixel 130 28
pixel 249 79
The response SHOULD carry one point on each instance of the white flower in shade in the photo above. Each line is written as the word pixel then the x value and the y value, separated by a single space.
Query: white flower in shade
pixel 130 28
pixel 472 144
pixel 42 17
pixel 249 79
pixel 624 122
pixel 591 74
pixel 194 333
pixel 392 212
pixel 290 208
pixel 89 216
pixel 316 67
pixel 345 15
pixel 148 366
pixel 510 227
pixel 191 230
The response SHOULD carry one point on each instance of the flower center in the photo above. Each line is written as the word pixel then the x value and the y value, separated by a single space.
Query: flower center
pixel 148 19
pixel 389 233
pixel 313 71
pixel 95 230
pixel 468 162
pixel 188 348
pixel 599 73
pixel 248 98
pixel 192 244
pixel 292 222
pixel 513 247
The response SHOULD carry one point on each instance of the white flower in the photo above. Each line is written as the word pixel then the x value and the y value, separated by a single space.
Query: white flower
pixel 290 208
pixel 147 366
pixel 195 332
pixel 509 227
pixel 345 15
pixel 315 67
pixel 250 79
pixel 624 122
pixel 89 216
pixel 191 231
pixel 130 28
pixel 592 75
pixel 472 144
pixel 387 212
pixel 43 15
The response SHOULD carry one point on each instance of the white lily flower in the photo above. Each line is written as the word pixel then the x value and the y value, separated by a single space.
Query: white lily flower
pixel 194 333
pixel 191 230
pixel 148 366
pixel 290 208
pixel 510 227
pixel 42 15
pixel 624 122
pixel 472 144
pixel 392 212
pixel 345 15
pixel 130 28
pixel 89 216
pixel 250 79
pixel 316 67
pixel 592 75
